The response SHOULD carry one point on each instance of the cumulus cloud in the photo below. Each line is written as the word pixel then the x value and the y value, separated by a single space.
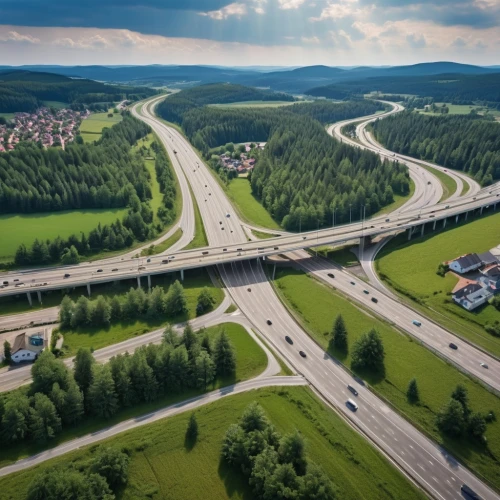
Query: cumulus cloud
pixel 233 9
pixel 290 4
pixel 416 41
pixel 343 9
pixel 15 37
pixel 309 39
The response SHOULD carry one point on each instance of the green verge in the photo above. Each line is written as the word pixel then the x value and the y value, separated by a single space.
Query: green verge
pixel 161 465
pixel 251 360
pixel 449 184
pixel 200 236
pixel 230 309
pixel 316 306
pixel 96 338
pixel 263 236
pixel 341 255
pixel 409 267
pixel 164 245
pixel 249 207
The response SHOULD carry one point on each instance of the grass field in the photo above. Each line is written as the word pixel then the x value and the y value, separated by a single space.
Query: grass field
pixel 92 126
pixel 461 109
pixel 162 466
pixel 251 360
pixel 200 236
pixel 254 104
pixel 341 255
pixel 248 205
pixel 410 268
pixel 25 228
pixel 317 305
pixel 97 338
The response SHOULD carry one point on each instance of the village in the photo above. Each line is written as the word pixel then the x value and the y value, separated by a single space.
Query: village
pixel 240 160
pixel 44 126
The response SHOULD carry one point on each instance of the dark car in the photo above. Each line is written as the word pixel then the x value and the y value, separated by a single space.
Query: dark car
pixel 16 279
pixel 149 260
pixel 352 389
pixel 249 289
pixel 67 275
pixel 352 283
pixel 5 282
pixel 288 339
pixel 374 299
pixel 303 354
pixel 114 270
pixel 451 345
pixel 366 291
pixel 331 275
pixel 99 270
pixel 165 261
pixel 269 322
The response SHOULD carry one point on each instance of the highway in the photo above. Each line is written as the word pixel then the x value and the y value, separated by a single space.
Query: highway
pixel 245 280
pixel 423 460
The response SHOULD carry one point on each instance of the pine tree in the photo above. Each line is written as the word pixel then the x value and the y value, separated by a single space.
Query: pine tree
pixel 204 370
pixel 74 409
pixel 192 428
pixel 66 311
pixel 176 302
pixel 339 334
pixel 368 352
pixel 7 352
pixel 224 355
pixel 44 420
pixel 102 394
pixel 412 393
pixel 84 361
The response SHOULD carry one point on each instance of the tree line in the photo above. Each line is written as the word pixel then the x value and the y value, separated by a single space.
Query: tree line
pixel 101 175
pixel 461 142
pixel 275 466
pixel 59 398
pixel 303 175
pixel 97 479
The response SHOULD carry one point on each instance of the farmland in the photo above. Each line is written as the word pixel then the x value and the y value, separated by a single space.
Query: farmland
pixel 92 126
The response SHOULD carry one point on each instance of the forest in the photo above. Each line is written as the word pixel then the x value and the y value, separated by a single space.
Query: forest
pixel 462 142
pixel 303 174
pixel 213 93
pixel 105 175
pixel 25 91
pixel 454 88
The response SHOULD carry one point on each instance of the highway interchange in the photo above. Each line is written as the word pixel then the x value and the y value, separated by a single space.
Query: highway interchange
pixel 425 462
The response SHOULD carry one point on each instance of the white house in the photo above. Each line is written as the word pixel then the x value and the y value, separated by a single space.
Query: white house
pixel 28 347
pixel 466 263
pixel 471 296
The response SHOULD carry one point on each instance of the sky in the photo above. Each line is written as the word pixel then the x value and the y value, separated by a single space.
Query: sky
pixel 249 32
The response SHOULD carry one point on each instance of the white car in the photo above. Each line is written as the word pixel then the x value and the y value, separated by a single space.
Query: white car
pixel 484 365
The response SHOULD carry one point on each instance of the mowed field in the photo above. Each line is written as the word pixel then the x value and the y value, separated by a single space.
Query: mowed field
pixel 462 109
pixel 317 305
pixel 25 228
pixel 249 206
pixel 162 466
pixel 251 360
pixel 410 268
pixel 91 127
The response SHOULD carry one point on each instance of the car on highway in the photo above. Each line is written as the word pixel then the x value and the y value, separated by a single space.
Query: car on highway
pixel 269 322
pixel 67 275
pixel 209 194
pixel 175 152
pixel 114 270
pixel 374 300
pixel 288 339
pixel 387 220
pixel 204 253
pixel 228 215
pixel 331 275
pixel 366 291
pixel 99 270
pixel 416 322
pixel 220 222
pixel 469 492
pixel 5 282
pixel 484 365
pixel 141 268
pixel 16 279
pixel 222 229
pixel 451 345
pixel 149 260
pixel 165 261
pixel 352 389
pixel 431 216
pixel 352 283
pixel 303 354
pixel 249 289
pixel 276 248
pixel 428 182
pixel 447 206
pixel 352 405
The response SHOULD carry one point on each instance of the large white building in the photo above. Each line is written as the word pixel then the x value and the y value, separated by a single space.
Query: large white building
pixel 28 347
pixel 466 263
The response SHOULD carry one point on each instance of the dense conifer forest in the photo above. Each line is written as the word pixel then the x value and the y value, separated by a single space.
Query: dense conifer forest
pixel 25 91
pixel 303 174
pixel 462 142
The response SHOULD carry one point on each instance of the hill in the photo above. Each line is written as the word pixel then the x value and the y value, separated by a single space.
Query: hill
pixel 23 90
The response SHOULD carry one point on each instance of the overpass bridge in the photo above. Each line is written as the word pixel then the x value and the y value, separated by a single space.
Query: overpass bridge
pixel 86 274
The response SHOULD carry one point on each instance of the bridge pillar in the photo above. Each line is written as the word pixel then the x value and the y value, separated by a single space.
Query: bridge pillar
pixel 28 294
pixel 138 281
pixel 88 288
pixel 409 233
pixel 274 271
pixel 494 206
pixel 466 214
pixel 456 218
pixel 182 274
pixel 444 222
pixel 481 211
pixel 434 225
pixel 39 293
pixel 149 281
pixel 422 230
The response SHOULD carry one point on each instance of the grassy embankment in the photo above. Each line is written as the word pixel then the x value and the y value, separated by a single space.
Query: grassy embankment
pixel 251 360
pixel 91 127
pixel 96 338
pixel 200 236
pixel 410 269
pixel 162 466
pixel 316 307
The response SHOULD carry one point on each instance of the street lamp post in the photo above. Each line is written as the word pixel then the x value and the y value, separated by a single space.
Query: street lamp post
pixel 350 213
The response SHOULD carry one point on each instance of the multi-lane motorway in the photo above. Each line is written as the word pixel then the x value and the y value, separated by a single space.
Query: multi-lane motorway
pixel 428 464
